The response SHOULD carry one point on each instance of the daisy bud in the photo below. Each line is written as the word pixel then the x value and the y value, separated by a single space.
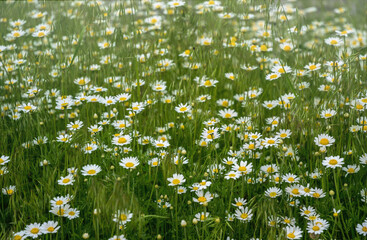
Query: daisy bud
pixel 156 186
pixel 183 223
pixel 95 116
pixel 189 202
pixel 217 220
pixel 85 236
pixel 332 193
pixel 159 236
pixel 195 221
pixel 112 167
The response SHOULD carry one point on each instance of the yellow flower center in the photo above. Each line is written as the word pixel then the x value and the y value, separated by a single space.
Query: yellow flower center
pixel 313 67
pixel 273 194
pixel 242 169
pixel 92 171
pixel 129 164
pixel 122 140
pixel 202 199
pixel 244 215
pixel 333 42
pixel 123 217
pixel 291 235
pixel 324 141
pixel 295 191
pixel 176 181
pixel 35 230
pixel 50 229
pixel 333 162
pixel 65 180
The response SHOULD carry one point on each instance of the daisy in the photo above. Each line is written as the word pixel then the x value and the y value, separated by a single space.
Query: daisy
pixel 243 167
pixel 50 227
pixel 272 76
pixel 204 184
pixel 290 178
pixel 281 69
pixel 27 107
pixel 313 66
pixel 244 214
pixel 287 47
pixel 293 232
pixel 90 170
pixel 129 162
pixel 4 159
pixel 122 216
pixel 228 113
pixel 161 144
pixel 333 162
pixel 362 228
pixel 202 216
pixel 95 128
pixel 317 193
pixel 363 159
pixel 89 148
pixel 202 198
pixel 176 3
pixel 350 169
pixel 68 180
pixel 59 201
pixel 324 140
pixel 182 108
pixel 273 192
pixel 121 237
pixel 176 179
pixel 294 190
pixel 232 175
pixel 33 230
pixel 334 41
pixel 284 133
pixel 121 140
pixel 271 142
pixel 18 235
pixel 272 168
pixel 239 202
pixel 72 213
pixel 9 190
pixel 73 126
pixel 65 138
pixel 306 211
pixel 181 190
pixel 328 113
pixel 230 76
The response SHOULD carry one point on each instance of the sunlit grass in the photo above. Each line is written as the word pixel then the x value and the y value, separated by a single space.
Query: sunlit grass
pixel 183 120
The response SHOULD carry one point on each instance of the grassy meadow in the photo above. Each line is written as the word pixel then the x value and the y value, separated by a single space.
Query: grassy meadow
pixel 183 119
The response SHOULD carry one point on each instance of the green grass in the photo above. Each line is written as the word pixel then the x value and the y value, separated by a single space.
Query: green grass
pixel 71 48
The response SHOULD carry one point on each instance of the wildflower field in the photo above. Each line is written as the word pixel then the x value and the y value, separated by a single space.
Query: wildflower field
pixel 183 119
